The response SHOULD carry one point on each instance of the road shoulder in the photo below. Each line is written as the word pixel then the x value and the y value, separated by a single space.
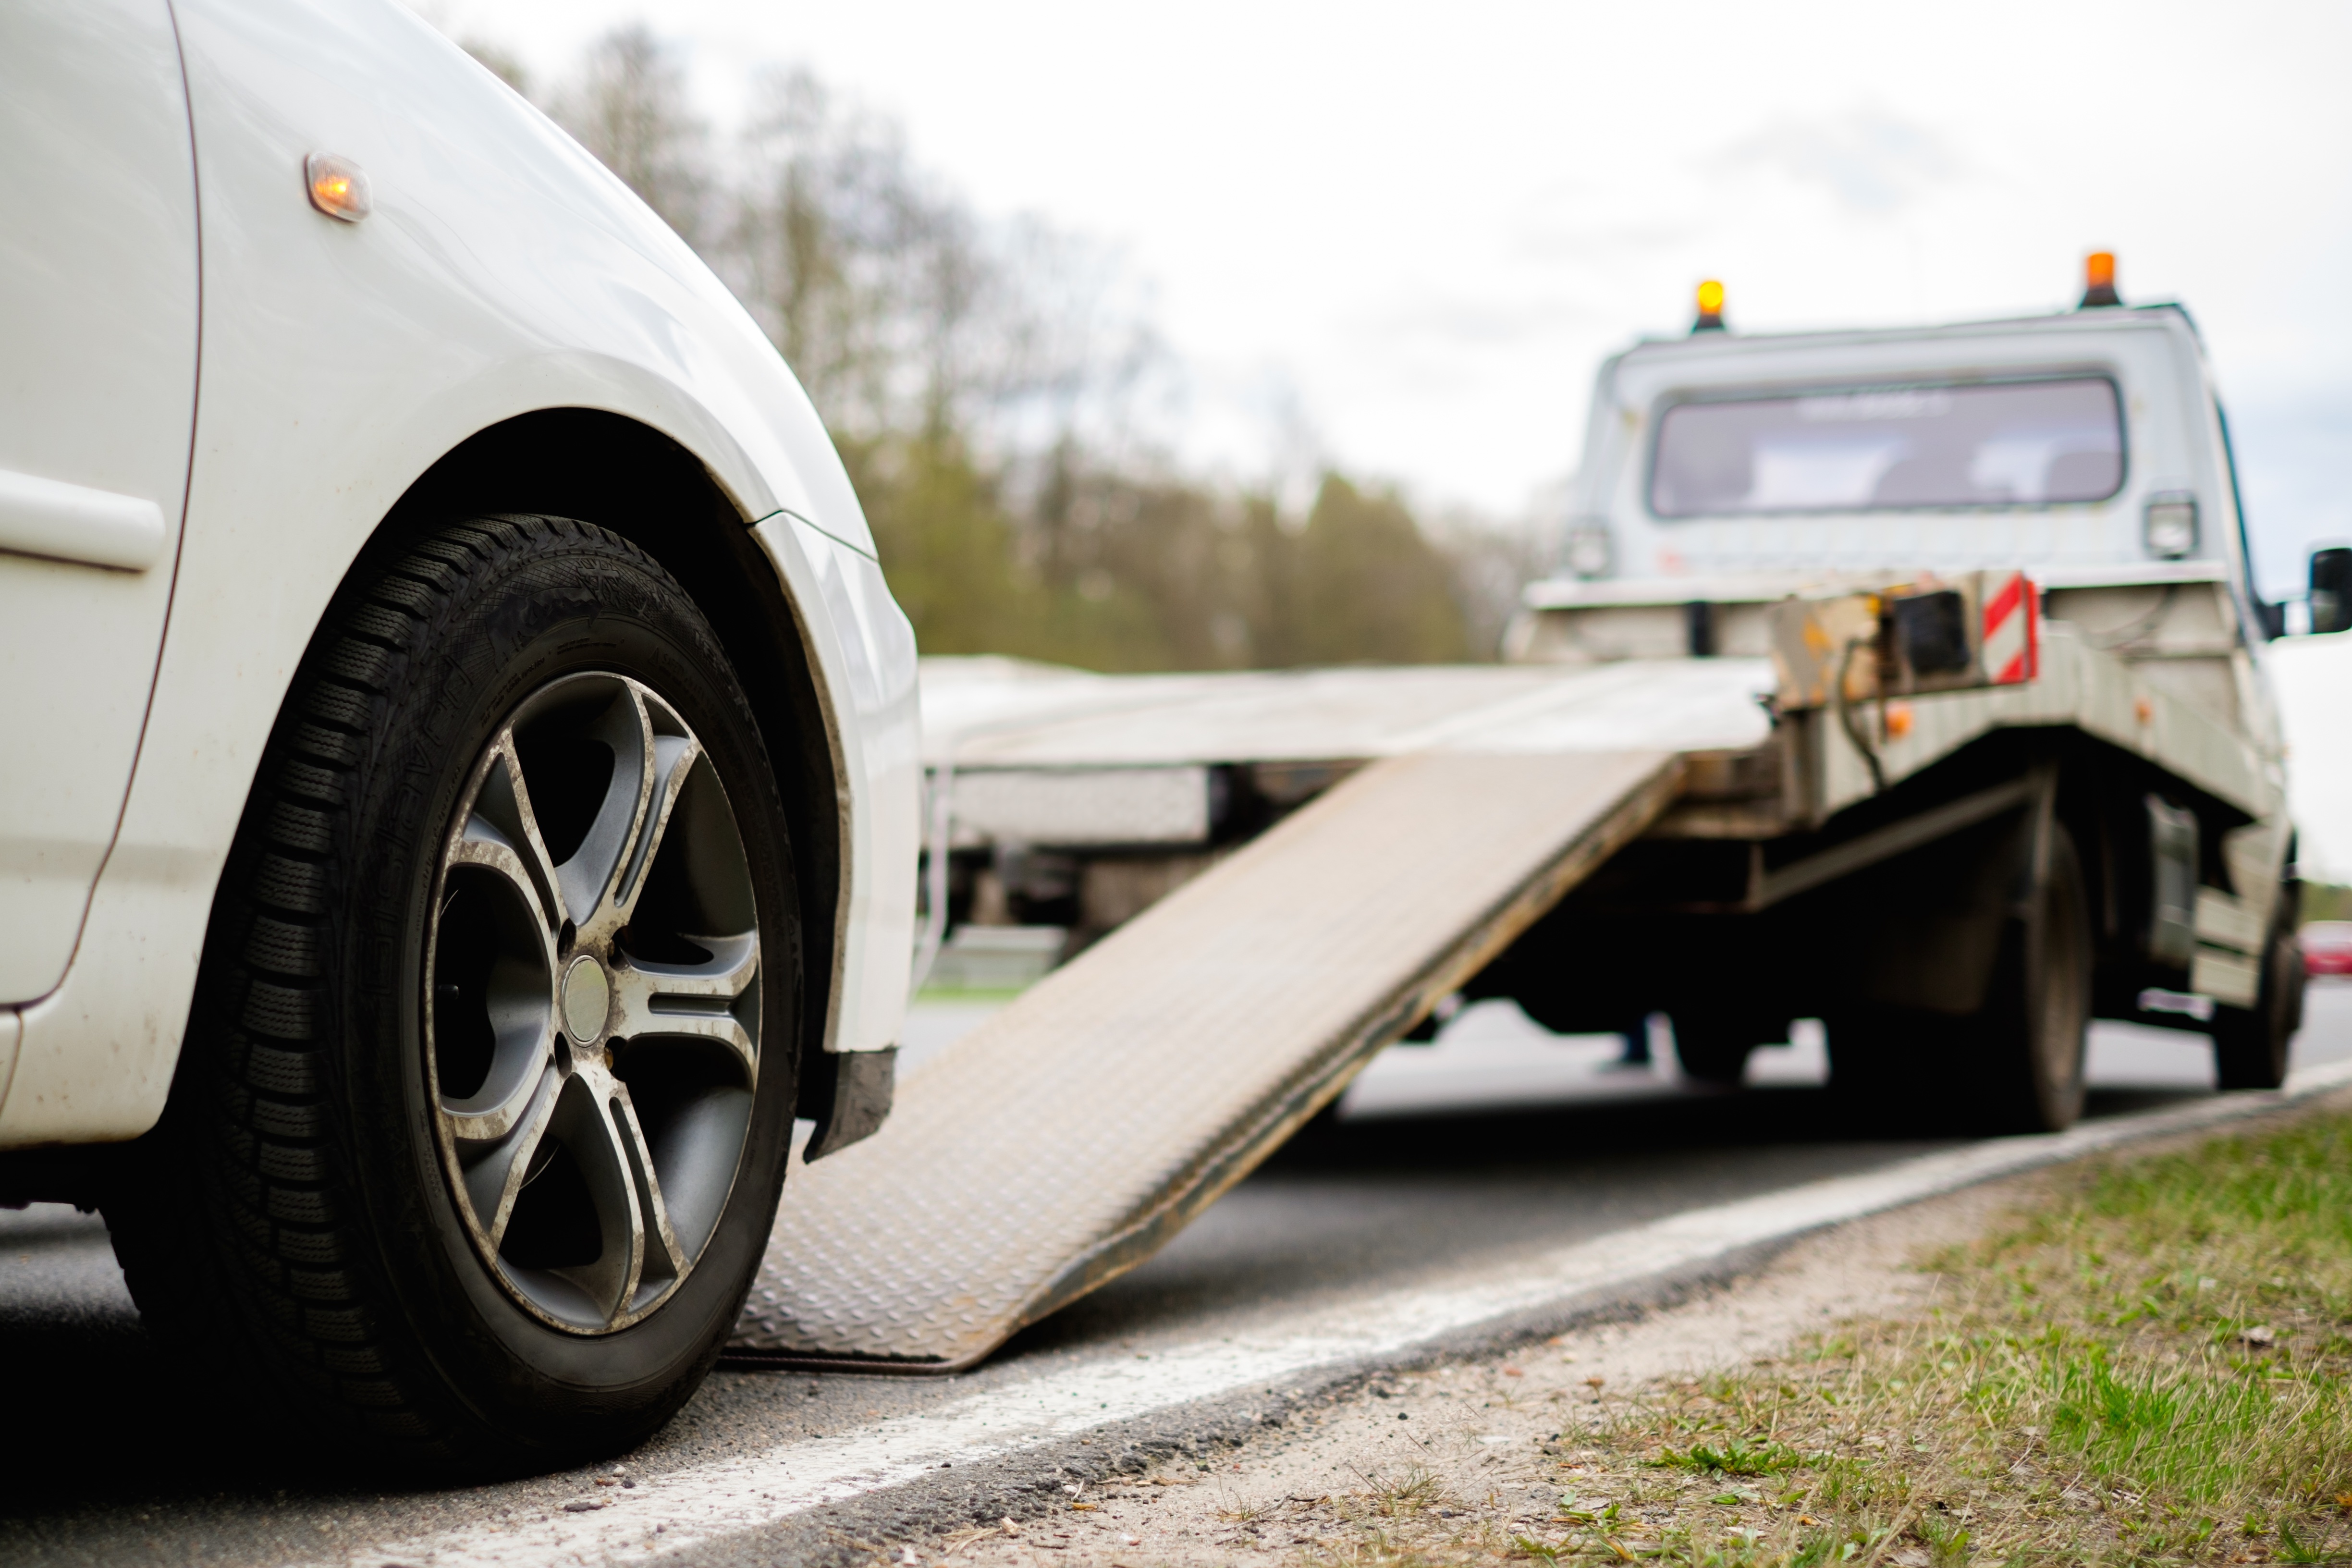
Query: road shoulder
pixel 1661 1435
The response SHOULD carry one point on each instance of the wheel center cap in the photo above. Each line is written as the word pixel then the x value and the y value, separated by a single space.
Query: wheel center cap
pixel 587 998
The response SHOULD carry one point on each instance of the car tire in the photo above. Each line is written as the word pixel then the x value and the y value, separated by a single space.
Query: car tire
pixel 2251 1045
pixel 505 1223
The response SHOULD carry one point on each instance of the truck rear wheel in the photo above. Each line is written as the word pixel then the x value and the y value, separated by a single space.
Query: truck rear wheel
pixel 2026 1045
pixel 1714 1048
pixel 2250 1044
pixel 477 1133
pixel 2016 1063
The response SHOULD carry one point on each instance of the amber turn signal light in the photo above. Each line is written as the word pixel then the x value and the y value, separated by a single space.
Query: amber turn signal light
pixel 2099 280
pixel 1710 308
pixel 337 188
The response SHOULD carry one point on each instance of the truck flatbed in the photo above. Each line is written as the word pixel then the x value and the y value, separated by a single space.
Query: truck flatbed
pixel 1447 810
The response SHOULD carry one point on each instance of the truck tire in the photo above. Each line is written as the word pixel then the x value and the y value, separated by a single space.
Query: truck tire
pixel 2015 1065
pixel 438 1182
pixel 2251 1044
pixel 2026 1045
pixel 1714 1048
pixel 1880 1066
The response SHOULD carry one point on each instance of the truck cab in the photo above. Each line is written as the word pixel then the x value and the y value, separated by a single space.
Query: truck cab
pixel 1740 494
pixel 2087 448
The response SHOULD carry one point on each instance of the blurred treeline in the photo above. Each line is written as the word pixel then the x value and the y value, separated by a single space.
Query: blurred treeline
pixel 982 381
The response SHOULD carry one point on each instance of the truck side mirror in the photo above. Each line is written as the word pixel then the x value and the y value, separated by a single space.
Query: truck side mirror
pixel 2331 589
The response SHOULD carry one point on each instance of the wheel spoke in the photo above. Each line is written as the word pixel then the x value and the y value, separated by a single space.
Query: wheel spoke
pixel 602 1152
pixel 589 876
pixel 500 818
pixel 694 1001
pixel 513 1004
pixel 500 1163
pixel 475 1123
pixel 662 1259
pixel 673 757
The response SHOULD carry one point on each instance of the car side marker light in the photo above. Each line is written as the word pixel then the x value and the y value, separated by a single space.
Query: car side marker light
pixel 338 187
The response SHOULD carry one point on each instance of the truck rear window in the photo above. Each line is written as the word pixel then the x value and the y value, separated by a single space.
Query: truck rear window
pixel 1869 449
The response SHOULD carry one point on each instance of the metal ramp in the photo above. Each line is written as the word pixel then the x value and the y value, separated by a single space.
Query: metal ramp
pixel 1074 1133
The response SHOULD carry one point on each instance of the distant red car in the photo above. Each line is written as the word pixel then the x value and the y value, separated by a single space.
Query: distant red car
pixel 2327 947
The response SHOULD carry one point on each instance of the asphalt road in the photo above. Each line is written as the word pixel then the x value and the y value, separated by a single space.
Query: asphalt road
pixel 1495 1142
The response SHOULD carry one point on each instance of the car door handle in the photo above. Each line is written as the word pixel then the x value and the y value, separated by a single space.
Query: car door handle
pixel 74 522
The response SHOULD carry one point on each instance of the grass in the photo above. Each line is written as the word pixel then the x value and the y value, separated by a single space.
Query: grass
pixel 2326 902
pixel 2180 1328
pixel 1736 1457
pixel 957 995
pixel 2151 1362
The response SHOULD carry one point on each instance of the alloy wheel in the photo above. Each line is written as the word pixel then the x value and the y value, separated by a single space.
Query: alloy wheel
pixel 591 1003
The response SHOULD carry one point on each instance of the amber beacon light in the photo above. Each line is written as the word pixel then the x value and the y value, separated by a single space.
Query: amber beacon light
pixel 1710 308
pixel 337 188
pixel 2099 280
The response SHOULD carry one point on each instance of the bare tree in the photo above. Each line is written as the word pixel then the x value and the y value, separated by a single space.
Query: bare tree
pixel 901 307
pixel 982 378
pixel 1491 563
pixel 629 107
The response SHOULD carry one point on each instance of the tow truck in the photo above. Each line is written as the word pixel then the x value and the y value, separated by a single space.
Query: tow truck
pixel 1912 681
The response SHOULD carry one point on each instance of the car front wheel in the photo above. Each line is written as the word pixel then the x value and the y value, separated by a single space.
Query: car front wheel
pixel 482 1121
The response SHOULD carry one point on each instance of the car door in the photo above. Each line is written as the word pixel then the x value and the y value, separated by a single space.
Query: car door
pixel 98 389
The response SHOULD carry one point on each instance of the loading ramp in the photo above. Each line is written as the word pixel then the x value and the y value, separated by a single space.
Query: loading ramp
pixel 1076 1131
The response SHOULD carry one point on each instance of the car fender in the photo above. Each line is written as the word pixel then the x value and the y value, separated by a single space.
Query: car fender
pixel 502 272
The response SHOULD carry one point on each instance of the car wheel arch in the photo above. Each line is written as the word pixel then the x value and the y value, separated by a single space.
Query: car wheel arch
pixel 621 474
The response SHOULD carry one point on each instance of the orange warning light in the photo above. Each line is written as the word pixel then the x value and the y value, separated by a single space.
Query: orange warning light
pixel 337 186
pixel 2099 280
pixel 1710 308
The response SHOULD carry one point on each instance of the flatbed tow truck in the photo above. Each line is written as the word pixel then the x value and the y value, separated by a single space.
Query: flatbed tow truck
pixel 1912 681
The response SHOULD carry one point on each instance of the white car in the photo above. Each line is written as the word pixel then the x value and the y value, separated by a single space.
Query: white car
pixel 458 774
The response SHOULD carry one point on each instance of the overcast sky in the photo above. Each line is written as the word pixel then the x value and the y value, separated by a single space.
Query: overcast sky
pixel 1405 235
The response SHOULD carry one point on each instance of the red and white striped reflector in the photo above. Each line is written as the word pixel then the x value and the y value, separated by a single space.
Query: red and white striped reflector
pixel 2012 629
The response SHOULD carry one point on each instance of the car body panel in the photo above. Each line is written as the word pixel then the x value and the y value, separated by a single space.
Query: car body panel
pixel 98 387
pixel 877 652
pixel 1643 572
pixel 502 271
pixel 2326 947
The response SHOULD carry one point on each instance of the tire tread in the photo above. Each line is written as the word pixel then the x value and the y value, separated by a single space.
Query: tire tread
pixel 268 1172
pixel 244 1239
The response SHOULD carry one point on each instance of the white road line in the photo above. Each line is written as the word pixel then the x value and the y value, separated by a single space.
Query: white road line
pixel 705 1503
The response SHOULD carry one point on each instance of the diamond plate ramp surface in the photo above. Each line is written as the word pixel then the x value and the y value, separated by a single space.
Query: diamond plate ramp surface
pixel 1070 1136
